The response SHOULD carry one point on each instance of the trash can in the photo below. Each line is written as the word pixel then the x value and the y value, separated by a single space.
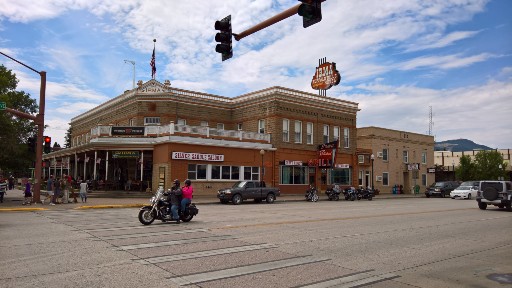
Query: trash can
pixel 416 189
pixel 394 189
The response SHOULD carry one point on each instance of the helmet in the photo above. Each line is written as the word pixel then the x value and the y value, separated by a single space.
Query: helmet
pixel 188 182
pixel 176 182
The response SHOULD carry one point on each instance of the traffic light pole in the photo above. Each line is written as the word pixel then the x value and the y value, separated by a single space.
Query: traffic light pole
pixel 273 20
pixel 39 121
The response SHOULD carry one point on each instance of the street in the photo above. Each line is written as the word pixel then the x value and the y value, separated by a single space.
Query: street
pixel 409 242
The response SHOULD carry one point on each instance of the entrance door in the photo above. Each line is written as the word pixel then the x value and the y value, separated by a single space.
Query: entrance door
pixel 407 184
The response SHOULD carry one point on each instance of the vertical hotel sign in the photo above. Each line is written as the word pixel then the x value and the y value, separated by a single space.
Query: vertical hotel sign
pixel 327 154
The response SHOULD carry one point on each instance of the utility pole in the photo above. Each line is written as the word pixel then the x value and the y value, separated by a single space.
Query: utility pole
pixel 39 121
pixel 133 63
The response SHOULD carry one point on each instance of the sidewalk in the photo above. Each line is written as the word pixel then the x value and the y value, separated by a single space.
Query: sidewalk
pixel 14 199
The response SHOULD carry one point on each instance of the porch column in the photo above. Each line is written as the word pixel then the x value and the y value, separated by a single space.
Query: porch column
pixel 141 164
pixel 95 159
pixel 85 164
pixel 106 167
pixel 75 170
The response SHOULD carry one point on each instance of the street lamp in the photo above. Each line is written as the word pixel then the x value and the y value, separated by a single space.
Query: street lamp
pixel 262 152
pixel 373 159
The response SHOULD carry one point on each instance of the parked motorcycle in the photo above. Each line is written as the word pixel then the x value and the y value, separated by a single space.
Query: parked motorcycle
pixel 311 194
pixel 158 210
pixel 350 194
pixel 367 193
pixel 334 192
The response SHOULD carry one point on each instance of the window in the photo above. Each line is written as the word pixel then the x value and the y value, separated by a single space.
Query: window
pixel 204 124
pixel 424 157
pixel 385 154
pixel 225 172
pixel 385 178
pixel 251 173
pixel 151 120
pixel 326 134
pixel 341 176
pixel 298 131
pixel 360 180
pixel 197 171
pixel 336 134
pixel 132 122
pixel 309 132
pixel 293 175
pixel 424 179
pixel 182 122
pixel 239 126
pixel 286 129
pixel 406 156
pixel 220 126
pixel 346 135
pixel 261 126
pixel 360 158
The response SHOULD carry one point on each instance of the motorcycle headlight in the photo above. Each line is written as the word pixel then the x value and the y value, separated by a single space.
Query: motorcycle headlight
pixel 153 199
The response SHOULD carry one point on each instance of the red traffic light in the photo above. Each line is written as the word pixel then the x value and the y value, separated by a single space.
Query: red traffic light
pixel 47 139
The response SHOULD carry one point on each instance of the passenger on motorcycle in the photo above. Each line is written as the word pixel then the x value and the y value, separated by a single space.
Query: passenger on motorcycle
pixel 174 199
pixel 187 195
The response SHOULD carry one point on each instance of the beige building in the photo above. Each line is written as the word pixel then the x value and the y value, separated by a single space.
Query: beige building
pixel 399 158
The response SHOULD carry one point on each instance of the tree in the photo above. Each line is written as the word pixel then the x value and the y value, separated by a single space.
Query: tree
pixel 466 170
pixel 67 138
pixel 487 165
pixel 15 131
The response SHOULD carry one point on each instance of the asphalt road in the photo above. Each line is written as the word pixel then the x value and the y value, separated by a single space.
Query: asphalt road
pixel 410 242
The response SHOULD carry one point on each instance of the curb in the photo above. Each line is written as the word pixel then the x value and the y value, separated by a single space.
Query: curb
pixel 22 209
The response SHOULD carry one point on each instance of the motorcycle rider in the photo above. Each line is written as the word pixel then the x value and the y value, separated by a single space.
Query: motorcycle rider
pixel 174 198
pixel 187 195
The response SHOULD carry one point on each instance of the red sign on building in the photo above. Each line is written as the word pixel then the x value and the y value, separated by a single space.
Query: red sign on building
pixel 326 76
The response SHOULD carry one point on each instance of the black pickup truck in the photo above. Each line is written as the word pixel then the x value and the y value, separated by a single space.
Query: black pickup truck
pixel 243 190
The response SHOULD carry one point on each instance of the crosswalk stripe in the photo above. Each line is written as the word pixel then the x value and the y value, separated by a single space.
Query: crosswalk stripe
pixel 175 242
pixel 208 253
pixel 151 234
pixel 245 270
pixel 352 280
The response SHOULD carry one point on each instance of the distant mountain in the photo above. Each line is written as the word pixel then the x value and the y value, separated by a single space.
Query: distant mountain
pixel 459 145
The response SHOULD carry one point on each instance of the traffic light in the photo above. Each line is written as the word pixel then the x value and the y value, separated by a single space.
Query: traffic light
pixel 224 38
pixel 47 144
pixel 311 12
pixel 31 143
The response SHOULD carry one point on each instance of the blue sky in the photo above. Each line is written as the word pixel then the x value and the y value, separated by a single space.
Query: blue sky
pixel 396 58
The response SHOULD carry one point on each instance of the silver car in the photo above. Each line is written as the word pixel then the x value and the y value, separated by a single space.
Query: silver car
pixel 466 190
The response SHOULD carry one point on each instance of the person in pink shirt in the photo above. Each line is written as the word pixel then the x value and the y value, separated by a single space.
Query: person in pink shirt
pixel 187 191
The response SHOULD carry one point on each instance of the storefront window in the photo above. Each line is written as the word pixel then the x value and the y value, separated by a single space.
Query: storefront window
pixel 341 176
pixel 293 175
pixel 197 171
pixel 252 173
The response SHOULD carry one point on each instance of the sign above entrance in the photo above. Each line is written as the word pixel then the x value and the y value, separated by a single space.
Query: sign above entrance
pixel 196 156
pixel 326 76
pixel 117 130
pixel 292 163
pixel 125 154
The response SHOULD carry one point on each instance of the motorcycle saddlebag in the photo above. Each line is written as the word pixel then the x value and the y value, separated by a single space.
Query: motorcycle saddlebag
pixel 192 209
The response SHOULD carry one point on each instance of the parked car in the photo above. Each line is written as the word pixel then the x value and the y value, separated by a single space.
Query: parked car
pixel 441 189
pixel 466 190
pixel 497 193
pixel 243 190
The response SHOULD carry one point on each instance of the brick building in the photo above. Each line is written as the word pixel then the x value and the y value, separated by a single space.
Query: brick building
pixel 156 133
pixel 399 158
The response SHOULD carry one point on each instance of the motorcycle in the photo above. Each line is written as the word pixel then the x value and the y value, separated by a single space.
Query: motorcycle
pixel 158 210
pixel 367 194
pixel 350 193
pixel 334 192
pixel 311 194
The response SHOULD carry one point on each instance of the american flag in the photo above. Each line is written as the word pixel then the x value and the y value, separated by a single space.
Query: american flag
pixel 153 65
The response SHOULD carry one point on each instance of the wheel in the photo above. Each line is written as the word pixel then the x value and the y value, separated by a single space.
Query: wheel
pixel 490 193
pixel 442 195
pixel 271 198
pixel 469 196
pixel 370 198
pixel 237 199
pixel 359 196
pixel 186 218
pixel 145 216
pixel 428 195
pixel 482 206
pixel 353 197
pixel 337 197
pixel 315 198
pixel 508 206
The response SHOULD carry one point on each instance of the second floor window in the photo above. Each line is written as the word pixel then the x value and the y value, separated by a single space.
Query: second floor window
pixel 385 154
pixel 298 131
pixel 406 156
pixel 182 122
pixel 326 134
pixel 424 157
pixel 336 134
pixel 151 120
pixel 309 132
pixel 261 126
pixel 346 135
pixel 286 129
pixel 204 124
pixel 220 126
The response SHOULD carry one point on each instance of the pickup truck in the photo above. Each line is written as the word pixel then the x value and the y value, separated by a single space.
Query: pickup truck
pixel 243 190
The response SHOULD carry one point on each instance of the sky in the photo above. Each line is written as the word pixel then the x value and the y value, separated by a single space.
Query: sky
pixel 398 59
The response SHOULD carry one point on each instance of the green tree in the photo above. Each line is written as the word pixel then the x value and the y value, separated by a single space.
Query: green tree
pixel 466 170
pixel 15 130
pixel 487 165
pixel 67 138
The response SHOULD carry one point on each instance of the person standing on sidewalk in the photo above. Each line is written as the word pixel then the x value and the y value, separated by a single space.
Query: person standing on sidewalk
pixel 187 191
pixel 3 189
pixel 28 194
pixel 11 182
pixel 56 191
pixel 49 189
pixel 83 191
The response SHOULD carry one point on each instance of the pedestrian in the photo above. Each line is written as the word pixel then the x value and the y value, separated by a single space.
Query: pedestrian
pixel 174 199
pixel 65 189
pixel 187 191
pixel 3 189
pixel 49 189
pixel 11 182
pixel 56 191
pixel 28 194
pixel 83 191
